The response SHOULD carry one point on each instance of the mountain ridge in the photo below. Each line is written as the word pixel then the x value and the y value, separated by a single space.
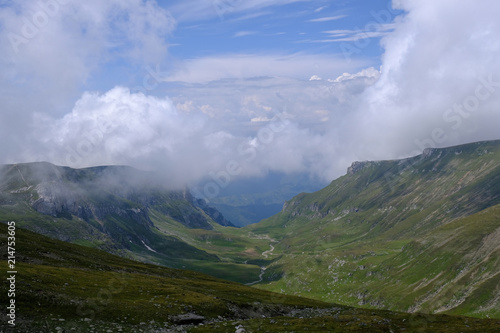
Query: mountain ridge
pixel 352 232
pixel 114 208
pixel 367 239
pixel 56 190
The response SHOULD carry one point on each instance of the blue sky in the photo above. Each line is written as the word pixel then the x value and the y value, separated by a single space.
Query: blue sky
pixel 300 26
pixel 243 88
pixel 348 31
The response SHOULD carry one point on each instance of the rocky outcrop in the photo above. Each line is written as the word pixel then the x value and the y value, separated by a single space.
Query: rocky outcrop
pixel 100 192
pixel 60 199
pixel 357 166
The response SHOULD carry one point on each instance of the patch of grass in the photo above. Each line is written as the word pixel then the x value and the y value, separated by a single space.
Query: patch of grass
pixel 78 288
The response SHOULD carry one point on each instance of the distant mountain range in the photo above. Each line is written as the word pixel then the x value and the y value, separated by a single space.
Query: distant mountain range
pixel 420 234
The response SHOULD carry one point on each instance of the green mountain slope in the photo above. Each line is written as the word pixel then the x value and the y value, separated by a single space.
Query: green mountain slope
pixel 415 234
pixel 117 209
pixel 419 234
pixel 61 287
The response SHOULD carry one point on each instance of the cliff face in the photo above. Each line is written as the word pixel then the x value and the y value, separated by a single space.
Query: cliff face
pixel 62 200
pixel 117 209
pixel 97 193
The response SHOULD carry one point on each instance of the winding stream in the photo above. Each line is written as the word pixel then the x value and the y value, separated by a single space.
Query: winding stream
pixel 265 254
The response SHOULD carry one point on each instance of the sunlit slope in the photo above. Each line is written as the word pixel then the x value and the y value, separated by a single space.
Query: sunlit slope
pixel 66 287
pixel 405 235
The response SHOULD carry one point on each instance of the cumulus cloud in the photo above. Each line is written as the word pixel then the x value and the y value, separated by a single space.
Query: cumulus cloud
pixel 51 49
pixel 368 73
pixel 440 82
pixel 264 127
pixel 439 85
pixel 242 114
pixel 120 127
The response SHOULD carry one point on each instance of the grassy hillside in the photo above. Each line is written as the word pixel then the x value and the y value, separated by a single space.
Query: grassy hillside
pixel 416 234
pixel 413 235
pixel 64 287
pixel 112 208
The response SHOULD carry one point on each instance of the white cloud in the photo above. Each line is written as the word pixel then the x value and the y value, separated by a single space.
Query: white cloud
pixel 365 73
pixel 51 49
pixel 434 90
pixel 235 102
pixel 203 70
pixel 312 111
pixel 123 128
pixel 260 111
pixel 262 124
pixel 327 19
